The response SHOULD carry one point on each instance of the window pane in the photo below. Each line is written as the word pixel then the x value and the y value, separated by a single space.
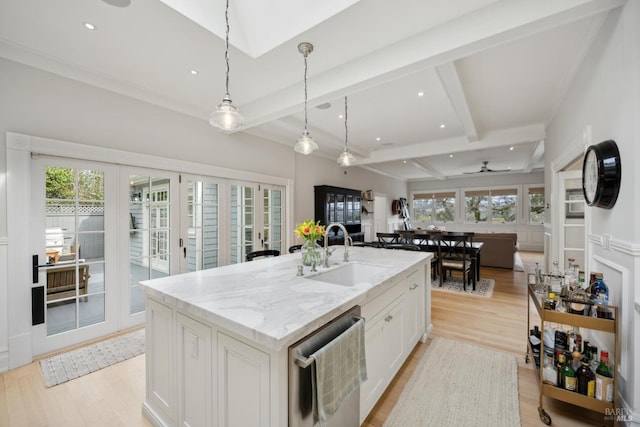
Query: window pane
pixel 476 208
pixel 503 209
pixel 445 209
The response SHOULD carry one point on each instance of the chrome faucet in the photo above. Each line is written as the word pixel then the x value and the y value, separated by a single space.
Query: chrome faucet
pixel 347 239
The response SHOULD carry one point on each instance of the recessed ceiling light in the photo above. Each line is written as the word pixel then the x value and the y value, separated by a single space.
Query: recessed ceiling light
pixel 420 93
pixel 511 148
pixel 450 155
pixel 194 72
pixel 340 116
pixel 404 161
pixel 89 26
pixel 509 167
pixel 378 139
pixel 442 125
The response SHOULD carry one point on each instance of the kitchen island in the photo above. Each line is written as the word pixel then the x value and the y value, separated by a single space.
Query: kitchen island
pixel 218 339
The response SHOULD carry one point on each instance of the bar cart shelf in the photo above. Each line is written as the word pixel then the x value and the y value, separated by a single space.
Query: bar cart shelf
pixel 585 322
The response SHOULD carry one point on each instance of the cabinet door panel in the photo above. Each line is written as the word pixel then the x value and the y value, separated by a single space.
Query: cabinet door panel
pixel 394 338
pixel 243 384
pixel 194 373
pixel 371 390
pixel 159 362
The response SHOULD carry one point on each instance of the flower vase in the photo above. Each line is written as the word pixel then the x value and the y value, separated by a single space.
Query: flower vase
pixel 311 253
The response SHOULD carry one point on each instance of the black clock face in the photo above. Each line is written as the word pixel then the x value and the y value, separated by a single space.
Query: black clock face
pixel 601 173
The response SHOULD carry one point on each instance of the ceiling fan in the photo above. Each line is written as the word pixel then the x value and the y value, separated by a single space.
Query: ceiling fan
pixel 485 168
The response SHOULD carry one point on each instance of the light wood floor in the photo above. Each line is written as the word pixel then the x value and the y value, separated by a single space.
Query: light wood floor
pixel 113 396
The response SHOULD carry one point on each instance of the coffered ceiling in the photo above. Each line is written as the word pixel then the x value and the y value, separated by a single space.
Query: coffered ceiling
pixel 434 87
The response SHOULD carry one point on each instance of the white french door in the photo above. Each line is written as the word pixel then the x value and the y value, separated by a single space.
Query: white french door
pixel 72 229
pixel 152 222
pixel 256 218
pixel 200 219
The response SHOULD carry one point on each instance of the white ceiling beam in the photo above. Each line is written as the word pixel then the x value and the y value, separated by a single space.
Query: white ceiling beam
pixel 451 82
pixel 536 155
pixel 501 138
pixel 428 168
pixel 467 35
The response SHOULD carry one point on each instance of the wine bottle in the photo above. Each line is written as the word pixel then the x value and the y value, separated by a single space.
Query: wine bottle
pixel 569 376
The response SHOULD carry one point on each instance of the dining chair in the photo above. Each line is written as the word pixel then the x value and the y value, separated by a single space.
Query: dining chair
pixel 386 239
pixel 262 254
pixel 455 253
pixel 295 248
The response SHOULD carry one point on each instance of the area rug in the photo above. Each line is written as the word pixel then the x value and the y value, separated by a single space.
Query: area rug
pixel 459 384
pixel 484 287
pixel 76 363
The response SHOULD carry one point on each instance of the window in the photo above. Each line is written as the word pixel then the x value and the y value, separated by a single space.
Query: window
pixel 498 206
pixel 434 207
pixel 536 205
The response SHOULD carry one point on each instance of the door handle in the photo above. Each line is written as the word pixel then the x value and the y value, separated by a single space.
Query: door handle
pixel 34 270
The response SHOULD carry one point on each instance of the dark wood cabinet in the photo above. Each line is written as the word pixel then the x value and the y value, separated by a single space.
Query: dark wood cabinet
pixel 343 205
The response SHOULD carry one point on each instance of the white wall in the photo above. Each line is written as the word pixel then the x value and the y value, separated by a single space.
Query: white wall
pixel 39 103
pixel 604 103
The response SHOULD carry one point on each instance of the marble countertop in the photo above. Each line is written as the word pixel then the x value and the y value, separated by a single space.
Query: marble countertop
pixel 265 301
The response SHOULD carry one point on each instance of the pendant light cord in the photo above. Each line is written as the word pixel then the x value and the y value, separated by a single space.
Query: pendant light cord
pixel 226 53
pixel 305 92
pixel 346 131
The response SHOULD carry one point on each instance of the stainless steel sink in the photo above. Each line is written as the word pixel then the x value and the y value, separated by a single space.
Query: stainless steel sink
pixel 351 273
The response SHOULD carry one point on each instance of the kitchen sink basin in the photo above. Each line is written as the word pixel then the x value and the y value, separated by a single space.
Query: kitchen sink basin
pixel 351 273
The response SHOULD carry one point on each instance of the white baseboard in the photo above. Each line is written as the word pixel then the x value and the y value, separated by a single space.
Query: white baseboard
pixel 21 350
pixel 4 359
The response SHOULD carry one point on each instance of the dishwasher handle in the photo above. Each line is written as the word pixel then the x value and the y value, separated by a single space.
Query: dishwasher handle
pixel 305 362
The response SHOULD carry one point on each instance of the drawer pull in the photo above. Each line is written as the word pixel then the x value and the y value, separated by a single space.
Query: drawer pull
pixel 388 318
pixel 415 285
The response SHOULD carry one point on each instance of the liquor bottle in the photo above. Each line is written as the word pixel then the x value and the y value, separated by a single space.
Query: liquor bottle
pixel 555 279
pixel 569 275
pixel 575 340
pixel 599 290
pixel 569 377
pixel 559 370
pixel 586 379
pixel 604 378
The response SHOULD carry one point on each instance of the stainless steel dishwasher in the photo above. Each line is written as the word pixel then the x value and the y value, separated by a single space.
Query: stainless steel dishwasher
pixel 301 405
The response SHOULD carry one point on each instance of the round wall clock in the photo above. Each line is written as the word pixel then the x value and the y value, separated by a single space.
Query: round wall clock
pixel 601 171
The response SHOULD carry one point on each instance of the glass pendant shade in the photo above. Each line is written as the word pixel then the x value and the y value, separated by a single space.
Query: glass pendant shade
pixel 226 116
pixel 346 158
pixel 305 144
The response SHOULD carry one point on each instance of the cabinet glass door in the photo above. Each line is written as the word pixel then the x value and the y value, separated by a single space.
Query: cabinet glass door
pixel 339 208
pixel 330 206
pixel 349 210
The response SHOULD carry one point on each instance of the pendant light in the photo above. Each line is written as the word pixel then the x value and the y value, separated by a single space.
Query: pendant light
pixel 226 116
pixel 346 158
pixel 305 144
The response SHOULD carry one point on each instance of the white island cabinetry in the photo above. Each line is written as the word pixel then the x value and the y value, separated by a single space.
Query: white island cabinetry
pixel 216 358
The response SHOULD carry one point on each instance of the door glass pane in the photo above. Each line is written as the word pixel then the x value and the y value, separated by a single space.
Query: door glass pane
pixel 202 240
pixel 149 233
pixel 242 222
pixel 272 200
pixel 75 248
